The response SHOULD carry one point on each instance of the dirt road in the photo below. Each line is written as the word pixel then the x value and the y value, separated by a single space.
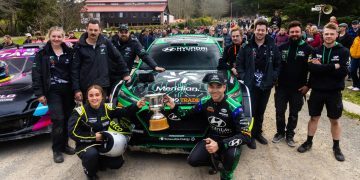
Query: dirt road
pixel 32 158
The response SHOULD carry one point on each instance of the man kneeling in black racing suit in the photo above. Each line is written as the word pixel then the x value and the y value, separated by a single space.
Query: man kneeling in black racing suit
pixel 229 129
pixel 87 124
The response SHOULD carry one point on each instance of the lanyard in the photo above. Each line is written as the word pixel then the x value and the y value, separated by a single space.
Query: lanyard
pixel 328 59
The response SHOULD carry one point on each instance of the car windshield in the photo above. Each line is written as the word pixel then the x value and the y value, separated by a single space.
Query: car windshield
pixel 177 57
pixel 19 65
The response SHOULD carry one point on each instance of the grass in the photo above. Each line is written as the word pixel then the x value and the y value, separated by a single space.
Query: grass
pixel 351 115
pixel 351 96
pixel 17 40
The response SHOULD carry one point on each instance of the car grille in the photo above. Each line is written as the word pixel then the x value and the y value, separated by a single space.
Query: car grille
pixel 13 124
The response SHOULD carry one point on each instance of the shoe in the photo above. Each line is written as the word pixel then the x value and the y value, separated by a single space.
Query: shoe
pixel 290 141
pixel 278 137
pixel 69 150
pixel 96 177
pixel 252 144
pixel 58 157
pixel 261 139
pixel 338 154
pixel 304 147
pixel 350 87
pixel 212 171
pixel 355 89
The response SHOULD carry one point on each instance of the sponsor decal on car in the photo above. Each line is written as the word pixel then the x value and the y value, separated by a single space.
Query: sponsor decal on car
pixel 189 100
pixel 185 49
pixel 176 139
pixel 7 98
pixel 183 77
pixel 176 88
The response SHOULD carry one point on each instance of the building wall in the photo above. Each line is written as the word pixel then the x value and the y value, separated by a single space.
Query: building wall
pixel 131 18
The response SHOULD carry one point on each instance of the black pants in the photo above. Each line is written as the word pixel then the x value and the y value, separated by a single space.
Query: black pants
pixel 199 156
pixel 92 161
pixel 295 99
pixel 259 100
pixel 61 102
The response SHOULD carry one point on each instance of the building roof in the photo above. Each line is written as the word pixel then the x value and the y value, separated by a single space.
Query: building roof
pixel 132 8
pixel 123 1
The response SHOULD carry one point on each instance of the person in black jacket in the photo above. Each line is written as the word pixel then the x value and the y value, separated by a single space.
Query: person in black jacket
pixel 327 74
pixel 258 64
pixel 96 60
pixel 292 83
pixel 344 37
pixel 52 87
pixel 229 129
pixel 86 125
pixel 130 47
pixel 227 61
pixel 276 20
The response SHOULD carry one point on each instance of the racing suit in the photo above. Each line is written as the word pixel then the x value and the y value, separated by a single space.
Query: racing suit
pixel 228 127
pixel 85 122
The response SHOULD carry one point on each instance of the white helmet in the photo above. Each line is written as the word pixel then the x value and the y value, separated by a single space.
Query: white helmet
pixel 114 144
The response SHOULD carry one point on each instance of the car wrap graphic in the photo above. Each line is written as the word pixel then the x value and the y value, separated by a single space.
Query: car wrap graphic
pixel 17 100
pixel 186 87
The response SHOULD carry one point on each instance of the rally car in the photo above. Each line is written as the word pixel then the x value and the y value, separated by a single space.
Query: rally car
pixel 186 58
pixel 21 116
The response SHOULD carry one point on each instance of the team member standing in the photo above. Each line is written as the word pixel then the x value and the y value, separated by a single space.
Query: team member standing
pixel 130 47
pixel 223 140
pixel 96 60
pixel 227 62
pixel 52 86
pixel 258 66
pixel 87 124
pixel 292 83
pixel 327 75
pixel 355 63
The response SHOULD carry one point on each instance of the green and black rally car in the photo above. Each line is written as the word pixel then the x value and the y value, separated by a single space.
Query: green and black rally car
pixel 186 58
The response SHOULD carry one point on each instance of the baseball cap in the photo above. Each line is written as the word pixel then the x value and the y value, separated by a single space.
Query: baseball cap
pixel 343 25
pixel 214 78
pixel 355 22
pixel 28 35
pixel 123 27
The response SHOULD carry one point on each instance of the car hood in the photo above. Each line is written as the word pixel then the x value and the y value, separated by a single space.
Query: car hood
pixel 16 95
pixel 185 86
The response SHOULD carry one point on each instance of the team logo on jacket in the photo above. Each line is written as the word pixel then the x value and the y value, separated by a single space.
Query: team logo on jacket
pixel 235 142
pixel 223 110
pixel 210 109
pixel 217 122
pixel 301 53
pixel 92 120
pixel 173 117
pixel 335 58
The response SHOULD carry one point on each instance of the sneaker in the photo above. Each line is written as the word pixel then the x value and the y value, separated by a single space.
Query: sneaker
pixel 58 157
pixel 304 147
pixel 252 144
pixel 338 154
pixel 69 150
pixel 290 141
pixel 278 137
pixel 355 89
pixel 261 139
pixel 350 87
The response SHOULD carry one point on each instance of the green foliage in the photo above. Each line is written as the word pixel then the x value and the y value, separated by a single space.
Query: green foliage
pixel 202 21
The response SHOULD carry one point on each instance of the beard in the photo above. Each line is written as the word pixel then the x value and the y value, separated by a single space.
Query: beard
pixel 124 38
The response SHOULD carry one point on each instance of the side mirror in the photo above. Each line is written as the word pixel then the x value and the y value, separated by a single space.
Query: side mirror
pixel 146 77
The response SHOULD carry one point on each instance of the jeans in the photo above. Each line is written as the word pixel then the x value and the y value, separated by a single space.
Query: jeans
pixel 354 70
